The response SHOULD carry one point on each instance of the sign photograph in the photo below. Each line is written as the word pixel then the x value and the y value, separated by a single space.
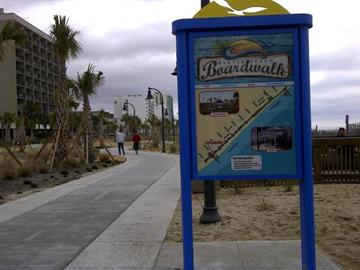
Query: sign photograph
pixel 245 105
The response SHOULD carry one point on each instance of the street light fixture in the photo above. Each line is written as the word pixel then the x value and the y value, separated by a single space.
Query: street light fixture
pixel 126 108
pixel 149 96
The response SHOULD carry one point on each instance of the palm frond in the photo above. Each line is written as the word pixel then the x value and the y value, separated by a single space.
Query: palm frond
pixel 12 31
pixel 66 44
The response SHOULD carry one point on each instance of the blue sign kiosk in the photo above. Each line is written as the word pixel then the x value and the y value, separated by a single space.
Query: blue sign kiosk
pixel 244 108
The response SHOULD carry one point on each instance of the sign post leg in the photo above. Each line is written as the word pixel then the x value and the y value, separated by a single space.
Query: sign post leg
pixel 307 225
pixel 306 185
pixel 186 204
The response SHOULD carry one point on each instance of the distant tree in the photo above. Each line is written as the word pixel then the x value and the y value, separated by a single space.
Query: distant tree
pixel 168 125
pixel 32 116
pixel 132 123
pixel 145 128
pixel 66 46
pixel 155 124
pixel 8 118
pixel 11 31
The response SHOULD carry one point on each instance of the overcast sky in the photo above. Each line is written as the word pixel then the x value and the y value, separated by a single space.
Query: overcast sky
pixel 131 42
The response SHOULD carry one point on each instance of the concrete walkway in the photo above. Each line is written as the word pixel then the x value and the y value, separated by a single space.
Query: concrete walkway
pixel 48 230
pixel 117 219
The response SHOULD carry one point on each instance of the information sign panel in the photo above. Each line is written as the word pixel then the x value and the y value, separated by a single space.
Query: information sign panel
pixel 245 104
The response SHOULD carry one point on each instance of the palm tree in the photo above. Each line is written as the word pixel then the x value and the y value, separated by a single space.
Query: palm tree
pixel 85 86
pixel 11 31
pixel 154 123
pixel 102 121
pixel 66 46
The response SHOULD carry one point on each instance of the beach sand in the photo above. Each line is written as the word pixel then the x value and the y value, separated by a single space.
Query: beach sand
pixel 271 213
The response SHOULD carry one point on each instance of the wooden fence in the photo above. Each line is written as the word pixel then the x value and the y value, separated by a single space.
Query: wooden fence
pixel 336 159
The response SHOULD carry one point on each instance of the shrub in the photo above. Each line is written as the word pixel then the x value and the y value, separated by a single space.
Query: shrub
pixel 45 155
pixel 27 182
pixel 71 162
pixel 33 185
pixel 42 168
pixel 25 171
pixel 88 169
pixel 94 167
pixel 75 154
pixel 31 154
pixel 289 187
pixel 105 165
pixel 64 173
pixel 8 169
pixel 173 148
pixel 237 187
pixel 104 157
pixel 264 206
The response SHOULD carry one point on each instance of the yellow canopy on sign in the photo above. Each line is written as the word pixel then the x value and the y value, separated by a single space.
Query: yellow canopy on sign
pixel 226 8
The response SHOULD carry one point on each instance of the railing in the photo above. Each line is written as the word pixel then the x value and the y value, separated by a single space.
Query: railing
pixel 336 159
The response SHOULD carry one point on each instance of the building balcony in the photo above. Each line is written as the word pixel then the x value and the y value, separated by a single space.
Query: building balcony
pixel 20 70
pixel 29 73
pixel 21 95
pixel 20 83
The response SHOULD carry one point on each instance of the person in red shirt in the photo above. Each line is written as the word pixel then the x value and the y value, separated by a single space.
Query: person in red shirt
pixel 136 140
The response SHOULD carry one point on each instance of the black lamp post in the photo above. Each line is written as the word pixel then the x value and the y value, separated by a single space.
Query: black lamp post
pixel 210 213
pixel 149 96
pixel 126 108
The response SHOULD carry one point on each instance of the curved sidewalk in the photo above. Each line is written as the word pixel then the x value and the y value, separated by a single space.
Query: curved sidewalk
pixel 49 229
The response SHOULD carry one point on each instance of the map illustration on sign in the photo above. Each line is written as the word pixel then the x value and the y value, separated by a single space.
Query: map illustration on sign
pixel 245 105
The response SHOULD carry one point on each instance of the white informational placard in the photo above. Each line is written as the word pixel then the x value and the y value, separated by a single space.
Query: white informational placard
pixel 239 163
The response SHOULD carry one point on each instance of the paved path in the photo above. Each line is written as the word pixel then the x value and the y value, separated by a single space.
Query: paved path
pixel 49 229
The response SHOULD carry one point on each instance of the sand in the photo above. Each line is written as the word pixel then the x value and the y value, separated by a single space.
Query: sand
pixel 271 213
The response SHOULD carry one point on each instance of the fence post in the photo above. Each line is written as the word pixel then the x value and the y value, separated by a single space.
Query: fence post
pixel 317 160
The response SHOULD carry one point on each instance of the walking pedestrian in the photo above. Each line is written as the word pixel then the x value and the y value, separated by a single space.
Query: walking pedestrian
pixel 136 140
pixel 120 139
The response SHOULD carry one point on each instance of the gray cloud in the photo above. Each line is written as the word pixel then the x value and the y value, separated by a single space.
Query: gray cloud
pixel 11 5
pixel 341 59
pixel 151 39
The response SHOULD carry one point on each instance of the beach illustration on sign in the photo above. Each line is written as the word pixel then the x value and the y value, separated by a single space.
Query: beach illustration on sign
pixel 271 139
pixel 217 103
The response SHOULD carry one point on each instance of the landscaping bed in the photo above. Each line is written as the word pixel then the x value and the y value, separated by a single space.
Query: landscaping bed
pixel 34 176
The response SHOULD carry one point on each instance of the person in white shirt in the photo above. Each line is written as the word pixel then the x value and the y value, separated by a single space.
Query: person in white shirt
pixel 120 139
